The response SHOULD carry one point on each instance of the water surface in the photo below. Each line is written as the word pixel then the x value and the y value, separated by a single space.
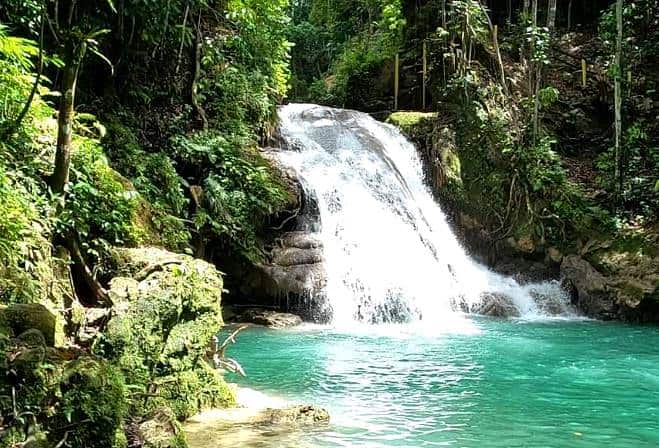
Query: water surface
pixel 499 383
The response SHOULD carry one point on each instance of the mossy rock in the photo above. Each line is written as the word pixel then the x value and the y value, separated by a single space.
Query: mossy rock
pixel 167 311
pixel 83 400
pixel 20 317
pixel 93 395
pixel 413 123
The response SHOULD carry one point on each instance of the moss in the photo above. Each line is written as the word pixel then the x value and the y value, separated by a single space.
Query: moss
pixel 189 391
pixel 82 399
pixel 409 122
pixel 162 330
pixel 156 179
pixel 20 317
pixel 92 396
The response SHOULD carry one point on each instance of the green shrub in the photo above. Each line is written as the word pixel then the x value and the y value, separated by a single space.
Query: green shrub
pixel 239 188
pixel 21 238
pixel 100 204
pixel 155 178
pixel 245 71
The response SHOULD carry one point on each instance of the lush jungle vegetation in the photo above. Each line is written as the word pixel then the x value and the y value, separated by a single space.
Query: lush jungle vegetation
pixel 128 124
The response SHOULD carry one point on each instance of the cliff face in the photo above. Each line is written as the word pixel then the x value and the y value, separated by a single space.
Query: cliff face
pixel 611 275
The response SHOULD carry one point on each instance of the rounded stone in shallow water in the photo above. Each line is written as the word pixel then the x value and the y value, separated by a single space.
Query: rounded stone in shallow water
pixel 258 420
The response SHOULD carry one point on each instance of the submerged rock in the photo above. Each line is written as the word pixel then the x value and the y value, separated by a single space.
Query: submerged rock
pixel 268 318
pixel 295 415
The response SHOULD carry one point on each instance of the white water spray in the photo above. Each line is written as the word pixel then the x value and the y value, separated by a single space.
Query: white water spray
pixel 390 255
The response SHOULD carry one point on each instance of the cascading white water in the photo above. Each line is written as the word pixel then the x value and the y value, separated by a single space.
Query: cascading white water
pixel 389 253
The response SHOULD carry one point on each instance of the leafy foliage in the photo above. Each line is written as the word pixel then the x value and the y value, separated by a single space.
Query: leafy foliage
pixel 355 39
pixel 155 177
pixel 100 204
pixel 16 76
pixel 641 181
pixel 239 189
pixel 246 70
pixel 20 239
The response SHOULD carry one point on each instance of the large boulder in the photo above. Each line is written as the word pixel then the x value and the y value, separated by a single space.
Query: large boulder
pixel 629 268
pixel 166 314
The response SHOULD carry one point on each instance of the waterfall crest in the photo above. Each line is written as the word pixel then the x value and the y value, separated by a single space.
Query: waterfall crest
pixel 389 253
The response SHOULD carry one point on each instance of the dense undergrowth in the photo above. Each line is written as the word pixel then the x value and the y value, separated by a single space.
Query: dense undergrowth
pixel 510 137
pixel 94 349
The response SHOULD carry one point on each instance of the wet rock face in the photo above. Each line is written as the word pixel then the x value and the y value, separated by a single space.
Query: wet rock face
pixel 588 287
pixel 296 275
pixel 292 276
pixel 495 305
pixel 296 263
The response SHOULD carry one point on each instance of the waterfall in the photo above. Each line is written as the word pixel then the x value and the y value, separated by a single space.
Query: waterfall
pixel 389 253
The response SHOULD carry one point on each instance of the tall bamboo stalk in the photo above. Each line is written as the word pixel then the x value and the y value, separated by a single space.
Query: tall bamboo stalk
pixel 618 100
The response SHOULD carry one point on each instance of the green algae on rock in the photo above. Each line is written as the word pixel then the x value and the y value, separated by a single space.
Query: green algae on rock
pixel 167 313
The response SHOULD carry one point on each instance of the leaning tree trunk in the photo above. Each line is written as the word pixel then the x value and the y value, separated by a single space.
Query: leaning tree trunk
pixel 35 85
pixel 618 100
pixel 60 176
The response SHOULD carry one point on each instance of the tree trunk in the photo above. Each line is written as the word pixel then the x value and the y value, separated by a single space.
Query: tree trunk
pixel 194 99
pixel 618 100
pixel 525 8
pixel 569 16
pixel 537 65
pixel 551 15
pixel 60 176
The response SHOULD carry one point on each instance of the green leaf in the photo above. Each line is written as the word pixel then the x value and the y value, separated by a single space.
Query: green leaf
pixel 103 58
